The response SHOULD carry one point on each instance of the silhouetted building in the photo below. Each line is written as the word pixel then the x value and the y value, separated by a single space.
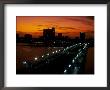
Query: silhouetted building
pixel 17 35
pixel 59 35
pixel 49 34
pixel 76 39
pixel 82 36
pixel 28 38
pixel 17 38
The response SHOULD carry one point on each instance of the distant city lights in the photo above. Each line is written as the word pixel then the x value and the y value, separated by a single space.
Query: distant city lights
pixel 69 65
pixel 76 59
pixel 65 71
pixel 48 54
pixel 56 51
pixel 36 58
pixel 24 62
pixel 73 61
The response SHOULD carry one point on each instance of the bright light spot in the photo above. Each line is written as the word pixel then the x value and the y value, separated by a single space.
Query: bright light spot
pixel 56 51
pixel 59 50
pixel 85 44
pixel 53 52
pixel 42 55
pixel 69 65
pixel 36 58
pixel 73 61
pixel 48 54
pixel 24 62
pixel 65 70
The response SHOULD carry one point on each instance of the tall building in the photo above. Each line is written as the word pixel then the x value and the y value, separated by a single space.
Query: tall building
pixel 49 34
pixel 82 36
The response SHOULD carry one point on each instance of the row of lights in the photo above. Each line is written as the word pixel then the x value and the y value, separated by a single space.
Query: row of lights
pixel 47 54
pixel 36 58
pixel 85 46
pixel 65 71
pixel 71 46
pixel 24 62
pixel 72 60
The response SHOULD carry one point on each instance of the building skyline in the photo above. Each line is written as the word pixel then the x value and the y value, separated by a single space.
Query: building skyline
pixel 67 25
pixel 49 34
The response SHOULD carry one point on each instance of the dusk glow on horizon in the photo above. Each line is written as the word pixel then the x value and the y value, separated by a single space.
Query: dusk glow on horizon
pixel 69 26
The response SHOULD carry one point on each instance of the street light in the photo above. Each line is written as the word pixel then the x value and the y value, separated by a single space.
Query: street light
pixel 36 58
pixel 69 65
pixel 65 71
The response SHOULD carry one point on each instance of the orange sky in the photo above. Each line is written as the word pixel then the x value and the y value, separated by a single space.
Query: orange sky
pixel 67 25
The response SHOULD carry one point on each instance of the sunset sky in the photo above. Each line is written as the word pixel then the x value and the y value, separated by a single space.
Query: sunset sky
pixel 67 25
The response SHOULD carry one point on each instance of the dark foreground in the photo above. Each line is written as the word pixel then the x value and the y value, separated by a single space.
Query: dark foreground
pixel 75 59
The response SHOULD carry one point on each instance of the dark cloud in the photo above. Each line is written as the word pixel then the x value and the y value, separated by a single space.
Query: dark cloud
pixel 89 20
pixel 39 25
pixel 65 28
pixel 64 32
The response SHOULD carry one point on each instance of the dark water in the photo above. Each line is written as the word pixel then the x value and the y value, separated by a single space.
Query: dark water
pixel 26 52
pixel 89 66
